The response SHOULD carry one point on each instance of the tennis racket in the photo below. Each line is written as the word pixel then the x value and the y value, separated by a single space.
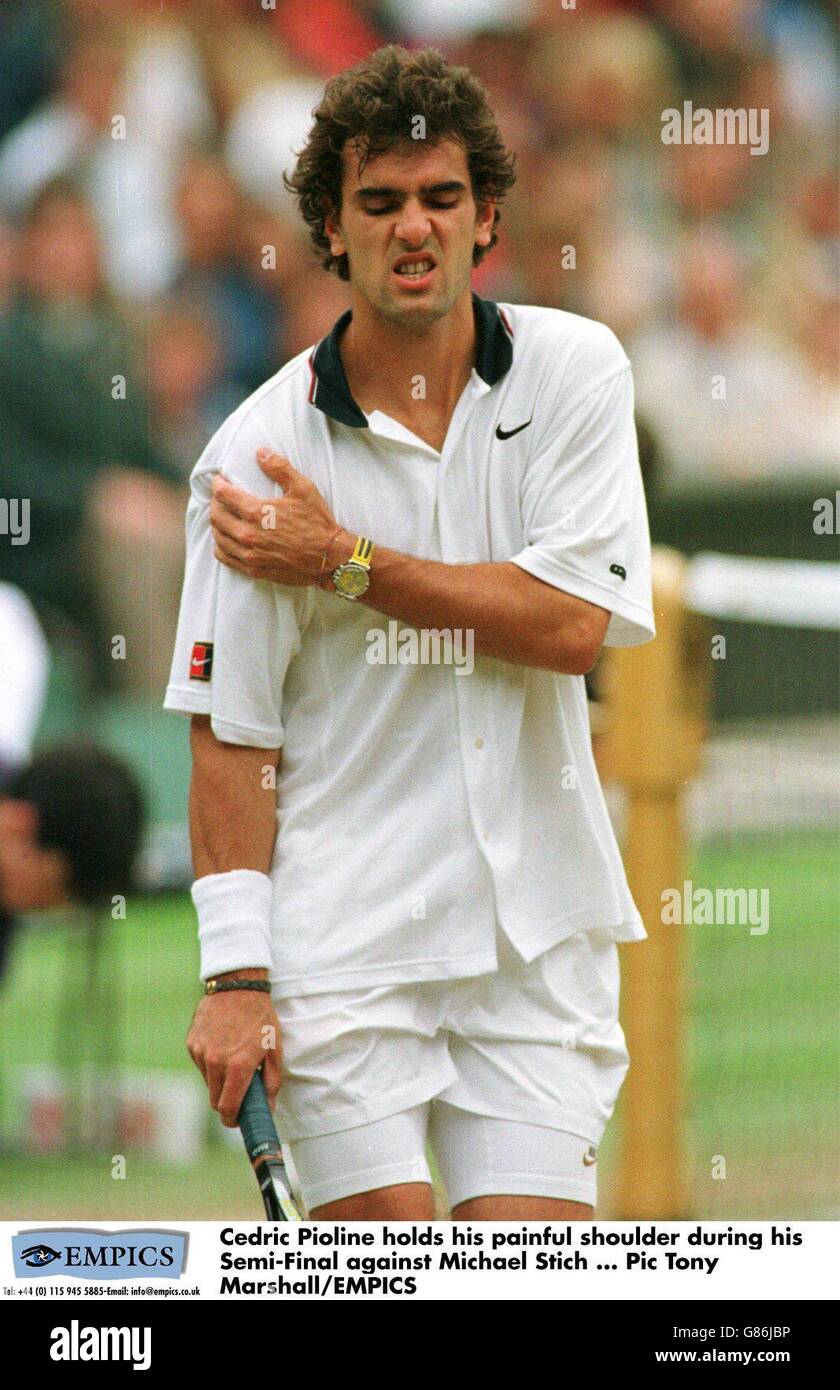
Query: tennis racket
pixel 262 1145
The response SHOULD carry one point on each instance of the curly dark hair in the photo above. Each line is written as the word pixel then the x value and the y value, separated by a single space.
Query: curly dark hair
pixel 373 107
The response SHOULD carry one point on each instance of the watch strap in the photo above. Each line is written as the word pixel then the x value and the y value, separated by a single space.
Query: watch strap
pixel 224 986
pixel 363 552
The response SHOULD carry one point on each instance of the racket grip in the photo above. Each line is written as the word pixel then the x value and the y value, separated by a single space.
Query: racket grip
pixel 256 1120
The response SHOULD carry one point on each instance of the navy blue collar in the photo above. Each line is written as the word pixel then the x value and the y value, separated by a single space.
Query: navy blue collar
pixel 330 392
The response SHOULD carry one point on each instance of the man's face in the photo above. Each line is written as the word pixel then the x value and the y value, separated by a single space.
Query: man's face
pixel 31 877
pixel 408 226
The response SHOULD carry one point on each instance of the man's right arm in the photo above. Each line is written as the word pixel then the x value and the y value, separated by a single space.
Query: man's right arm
pixel 233 824
pixel 233 803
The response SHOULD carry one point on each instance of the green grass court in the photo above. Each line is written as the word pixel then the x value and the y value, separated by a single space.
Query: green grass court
pixel 761 1045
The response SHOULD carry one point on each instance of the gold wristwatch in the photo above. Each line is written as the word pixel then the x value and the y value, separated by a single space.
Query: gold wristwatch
pixel 352 579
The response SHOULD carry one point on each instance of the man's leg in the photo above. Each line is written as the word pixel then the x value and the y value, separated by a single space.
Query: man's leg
pixel 521 1209
pixel 347 1056
pixel 540 1058
pixel 372 1172
pixel 504 1170
pixel 410 1201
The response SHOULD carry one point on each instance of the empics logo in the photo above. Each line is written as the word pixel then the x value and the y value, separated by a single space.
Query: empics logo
pixel 37 1256
pixel 104 1254
pixel 75 1343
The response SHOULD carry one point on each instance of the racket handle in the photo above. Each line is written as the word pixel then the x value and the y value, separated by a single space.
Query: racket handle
pixel 257 1122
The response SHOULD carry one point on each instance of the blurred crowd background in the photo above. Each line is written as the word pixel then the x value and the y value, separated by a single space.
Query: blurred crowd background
pixel 161 248
pixel 153 272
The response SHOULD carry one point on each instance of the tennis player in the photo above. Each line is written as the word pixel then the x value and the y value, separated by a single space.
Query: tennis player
pixel 404 552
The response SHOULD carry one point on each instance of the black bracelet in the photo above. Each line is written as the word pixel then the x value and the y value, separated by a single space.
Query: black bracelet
pixel 219 986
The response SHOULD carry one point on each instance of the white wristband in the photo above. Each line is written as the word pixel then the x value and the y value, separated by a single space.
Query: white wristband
pixel 234 921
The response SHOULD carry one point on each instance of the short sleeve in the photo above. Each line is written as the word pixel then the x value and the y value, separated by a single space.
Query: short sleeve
pixel 235 637
pixel 584 514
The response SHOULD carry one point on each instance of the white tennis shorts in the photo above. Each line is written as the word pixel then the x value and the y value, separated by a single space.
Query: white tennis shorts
pixel 509 1077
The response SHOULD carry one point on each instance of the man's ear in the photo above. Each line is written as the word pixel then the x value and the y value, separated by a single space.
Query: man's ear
pixel 18 819
pixel 484 220
pixel 333 231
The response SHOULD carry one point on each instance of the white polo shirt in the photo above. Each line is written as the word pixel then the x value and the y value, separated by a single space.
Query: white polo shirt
pixel 418 803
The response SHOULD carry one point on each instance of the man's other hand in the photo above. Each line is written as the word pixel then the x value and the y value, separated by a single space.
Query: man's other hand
pixel 231 1035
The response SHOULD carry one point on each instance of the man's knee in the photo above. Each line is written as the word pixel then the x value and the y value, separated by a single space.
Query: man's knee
pixel 411 1201
pixel 514 1208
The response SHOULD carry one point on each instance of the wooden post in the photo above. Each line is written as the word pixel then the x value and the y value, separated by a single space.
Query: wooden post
pixel 656 701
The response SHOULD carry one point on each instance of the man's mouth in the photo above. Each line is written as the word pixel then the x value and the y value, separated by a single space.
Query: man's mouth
pixel 413 268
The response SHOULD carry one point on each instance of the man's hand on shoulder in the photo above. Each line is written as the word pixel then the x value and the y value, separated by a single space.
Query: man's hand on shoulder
pixel 293 539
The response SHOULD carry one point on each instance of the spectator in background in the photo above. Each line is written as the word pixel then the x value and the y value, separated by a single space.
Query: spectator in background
pixel 217 277
pixel 730 400
pixel 331 35
pixel 29 39
pixel 188 392
pixel 71 820
pixel 106 531
pixel 68 132
pixel 8 262
pixel 129 97
pixel 71 823
pixel 609 77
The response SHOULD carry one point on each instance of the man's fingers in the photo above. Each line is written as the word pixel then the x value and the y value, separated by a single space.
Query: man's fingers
pixel 236 500
pixel 272 1075
pixel 214 1075
pixel 279 469
pixel 237 520
pixel 225 524
pixel 198 1059
pixel 237 1081
pixel 227 557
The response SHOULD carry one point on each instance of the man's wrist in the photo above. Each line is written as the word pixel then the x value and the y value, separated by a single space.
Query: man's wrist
pixel 338 552
pixel 234 921
pixel 246 973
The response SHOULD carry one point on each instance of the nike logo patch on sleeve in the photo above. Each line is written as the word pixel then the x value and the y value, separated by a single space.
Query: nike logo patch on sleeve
pixel 201 661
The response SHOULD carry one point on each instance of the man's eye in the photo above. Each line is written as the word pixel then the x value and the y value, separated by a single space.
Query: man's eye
pixel 391 207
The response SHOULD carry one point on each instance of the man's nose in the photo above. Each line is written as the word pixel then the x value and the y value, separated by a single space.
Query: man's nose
pixel 413 226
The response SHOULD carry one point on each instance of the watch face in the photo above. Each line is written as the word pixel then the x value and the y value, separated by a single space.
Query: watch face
pixel 351 580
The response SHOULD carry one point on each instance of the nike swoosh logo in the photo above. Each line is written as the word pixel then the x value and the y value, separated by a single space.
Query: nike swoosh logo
pixel 508 434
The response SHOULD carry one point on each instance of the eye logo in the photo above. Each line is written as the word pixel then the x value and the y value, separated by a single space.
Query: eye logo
pixel 39 1255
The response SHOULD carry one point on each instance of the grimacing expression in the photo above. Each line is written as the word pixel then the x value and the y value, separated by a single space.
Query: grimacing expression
pixel 408 227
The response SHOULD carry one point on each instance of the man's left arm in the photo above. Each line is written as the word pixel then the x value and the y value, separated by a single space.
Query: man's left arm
pixel 581 578
pixel 512 614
